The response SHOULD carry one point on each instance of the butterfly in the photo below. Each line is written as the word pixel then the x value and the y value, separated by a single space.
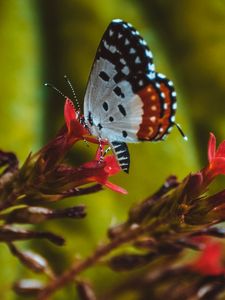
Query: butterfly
pixel 126 100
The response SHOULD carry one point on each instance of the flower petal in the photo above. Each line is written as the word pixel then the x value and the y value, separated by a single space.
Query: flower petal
pixel 217 166
pixel 211 147
pixel 210 260
pixel 98 154
pixel 69 113
pixel 112 167
pixel 221 150
pixel 75 130
pixel 115 187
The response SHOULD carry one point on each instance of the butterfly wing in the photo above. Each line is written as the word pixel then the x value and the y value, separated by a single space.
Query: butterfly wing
pixel 126 100
pixel 159 108
pixel 110 96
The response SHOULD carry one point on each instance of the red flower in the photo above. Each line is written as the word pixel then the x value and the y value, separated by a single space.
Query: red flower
pixel 216 160
pixel 210 260
pixel 51 179
pixel 75 130
pixel 103 170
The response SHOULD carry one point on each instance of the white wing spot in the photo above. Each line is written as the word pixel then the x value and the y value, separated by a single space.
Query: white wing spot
pixel 119 35
pixel 106 44
pixel 111 32
pixel 122 60
pixel 129 24
pixel 148 53
pixel 161 129
pixel 151 67
pixel 165 106
pixel 153 107
pixel 132 50
pixel 112 49
pixel 170 83
pixel 127 42
pixel 173 94
pixel 161 76
pixel 174 105
pixel 137 60
pixel 172 119
pixel 157 85
pixel 126 70
pixel 162 95
pixel 153 119
pixel 140 82
pixel 143 42
pixel 117 21
pixel 169 129
pixel 151 75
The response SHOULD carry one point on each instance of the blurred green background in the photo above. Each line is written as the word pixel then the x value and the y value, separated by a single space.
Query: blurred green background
pixel 43 40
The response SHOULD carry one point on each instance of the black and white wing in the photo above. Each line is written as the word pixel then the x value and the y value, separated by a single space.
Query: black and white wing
pixel 123 64
pixel 126 101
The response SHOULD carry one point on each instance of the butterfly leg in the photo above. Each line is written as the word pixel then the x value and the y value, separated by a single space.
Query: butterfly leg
pixel 107 150
pixel 101 150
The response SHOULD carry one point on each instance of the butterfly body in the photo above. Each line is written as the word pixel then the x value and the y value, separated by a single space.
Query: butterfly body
pixel 126 101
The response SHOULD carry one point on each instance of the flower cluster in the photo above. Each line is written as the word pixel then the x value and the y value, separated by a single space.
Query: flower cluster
pixel 179 216
pixel 56 180
pixel 159 231
pixel 45 178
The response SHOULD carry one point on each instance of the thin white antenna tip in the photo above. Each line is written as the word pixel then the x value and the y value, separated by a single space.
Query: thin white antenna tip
pixel 181 131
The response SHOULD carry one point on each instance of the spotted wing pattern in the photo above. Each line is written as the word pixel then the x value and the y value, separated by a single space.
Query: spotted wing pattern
pixel 159 106
pixel 126 101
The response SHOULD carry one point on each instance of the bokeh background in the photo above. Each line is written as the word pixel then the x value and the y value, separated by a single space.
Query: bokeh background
pixel 43 40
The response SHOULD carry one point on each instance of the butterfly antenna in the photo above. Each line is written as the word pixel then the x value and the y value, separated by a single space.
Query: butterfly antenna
pixel 181 131
pixel 74 95
pixel 55 88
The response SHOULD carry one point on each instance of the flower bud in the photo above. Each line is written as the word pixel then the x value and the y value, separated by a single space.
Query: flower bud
pixel 85 291
pixel 35 215
pixel 127 262
pixel 28 287
pixel 31 260
pixel 9 233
